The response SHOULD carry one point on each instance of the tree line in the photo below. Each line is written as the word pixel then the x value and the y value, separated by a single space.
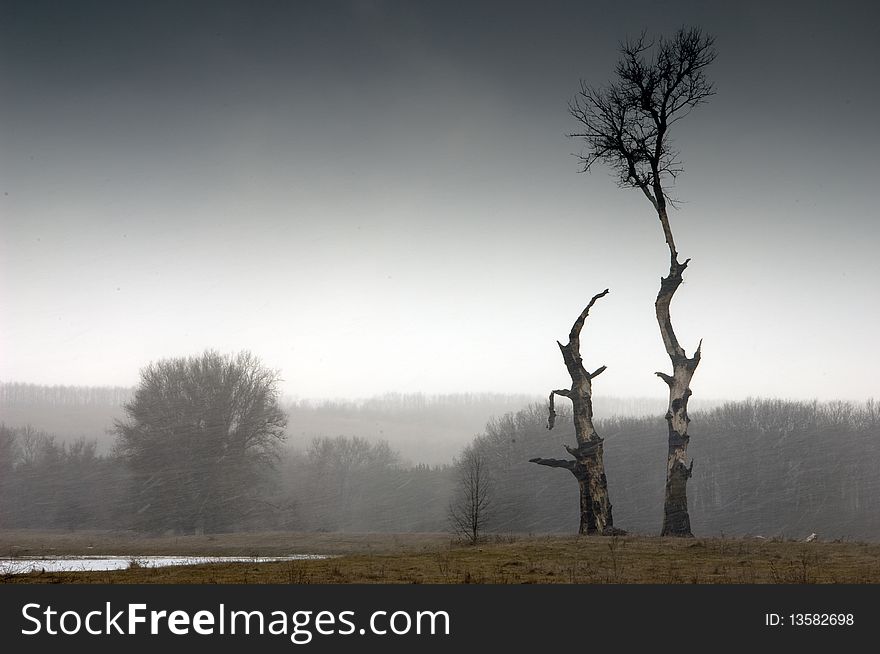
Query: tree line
pixel 18 394
pixel 429 429
pixel 345 483
pixel 771 468
pixel 767 468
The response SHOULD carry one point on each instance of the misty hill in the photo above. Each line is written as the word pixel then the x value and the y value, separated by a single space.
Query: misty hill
pixel 429 429
pixel 423 428
pixel 69 412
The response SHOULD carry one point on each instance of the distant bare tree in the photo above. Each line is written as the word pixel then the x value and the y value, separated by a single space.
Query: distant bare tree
pixel 588 465
pixel 469 510
pixel 33 443
pixel 625 126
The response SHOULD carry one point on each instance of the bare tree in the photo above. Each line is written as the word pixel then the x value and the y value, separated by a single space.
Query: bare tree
pixel 342 474
pixel 469 510
pixel 588 465
pixel 201 433
pixel 625 125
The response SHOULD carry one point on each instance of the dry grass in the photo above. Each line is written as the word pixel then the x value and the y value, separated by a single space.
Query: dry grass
pixel 431 558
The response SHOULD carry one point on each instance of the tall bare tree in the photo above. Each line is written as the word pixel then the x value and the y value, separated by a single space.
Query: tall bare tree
pixel 588 465
pixel 469 510
pixel 625 125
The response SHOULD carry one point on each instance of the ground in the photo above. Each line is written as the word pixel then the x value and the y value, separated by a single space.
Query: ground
pixel 434 558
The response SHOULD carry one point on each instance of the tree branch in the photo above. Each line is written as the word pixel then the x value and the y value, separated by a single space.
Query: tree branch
pixel 574 335
pixel 551 420
pixel 581 386
pixel 626 123
pixel 555 463
pixel 598 372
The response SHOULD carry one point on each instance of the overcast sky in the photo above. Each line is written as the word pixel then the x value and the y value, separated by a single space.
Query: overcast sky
pixel 380 196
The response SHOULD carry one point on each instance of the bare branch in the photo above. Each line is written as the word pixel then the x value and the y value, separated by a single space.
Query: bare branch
pixel 574 335
pixel 555 463
pixel 598 372
pixel 581 387
pixel 625 124
pixel 551 420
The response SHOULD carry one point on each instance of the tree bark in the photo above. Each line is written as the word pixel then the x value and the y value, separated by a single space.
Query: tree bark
pixel 588 466
pixel 676 519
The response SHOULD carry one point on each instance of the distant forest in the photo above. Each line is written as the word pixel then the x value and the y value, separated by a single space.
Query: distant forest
pixel 428 429
pixel 762 467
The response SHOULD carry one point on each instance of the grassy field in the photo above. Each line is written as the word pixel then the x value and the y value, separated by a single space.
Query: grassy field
pixel 433 558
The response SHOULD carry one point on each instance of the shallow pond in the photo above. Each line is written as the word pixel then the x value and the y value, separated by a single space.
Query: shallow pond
pixel 91 563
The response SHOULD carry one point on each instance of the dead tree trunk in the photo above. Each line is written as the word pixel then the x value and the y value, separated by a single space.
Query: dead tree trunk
pixel 588 466
pixel 676 519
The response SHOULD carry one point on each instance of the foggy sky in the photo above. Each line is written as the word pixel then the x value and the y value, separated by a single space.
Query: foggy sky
pixel 380 196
